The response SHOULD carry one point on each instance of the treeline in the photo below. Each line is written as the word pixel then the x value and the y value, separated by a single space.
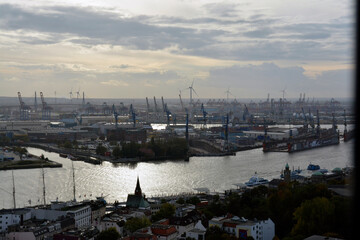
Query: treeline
pixel 172 148
pixel 298 211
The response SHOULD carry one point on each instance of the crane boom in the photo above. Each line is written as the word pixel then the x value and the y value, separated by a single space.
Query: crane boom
pixel 155 104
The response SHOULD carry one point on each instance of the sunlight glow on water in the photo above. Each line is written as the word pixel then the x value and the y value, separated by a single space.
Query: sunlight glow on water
pixel 115 181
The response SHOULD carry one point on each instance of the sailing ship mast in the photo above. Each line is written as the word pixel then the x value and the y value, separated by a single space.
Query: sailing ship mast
pixel 74 189
pixel 44 193
pixel 13 189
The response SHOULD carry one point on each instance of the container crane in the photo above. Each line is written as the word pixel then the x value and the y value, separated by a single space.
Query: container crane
pixel 305 119
pixel 181 102
pixel 115 115
pixel 133 115
pixel 226 133
pixel 345 123
pixel 24 109
pixel 204 113
pixel 311 120
pixel 35 103
pixel 155 104
pixel 187 127
pixel 318 123
pixel 46 110
pixel 168 114
pixel 147 109
pixel 163 104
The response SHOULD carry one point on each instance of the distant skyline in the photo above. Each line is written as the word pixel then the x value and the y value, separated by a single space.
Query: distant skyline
pixel 138 49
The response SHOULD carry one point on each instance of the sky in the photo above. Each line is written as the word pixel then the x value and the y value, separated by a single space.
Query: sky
pixel 138 49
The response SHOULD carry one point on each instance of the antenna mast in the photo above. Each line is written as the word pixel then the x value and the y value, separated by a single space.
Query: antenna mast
pixel 13 189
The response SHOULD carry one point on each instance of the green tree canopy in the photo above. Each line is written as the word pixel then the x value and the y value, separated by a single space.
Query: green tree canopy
pixel 116 152
pixel 166 211
pixel 100 150
pixel 109 234
pixel 134 224
pixel 314 216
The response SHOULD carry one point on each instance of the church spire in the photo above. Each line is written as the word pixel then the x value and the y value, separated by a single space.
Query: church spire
pixel 138 188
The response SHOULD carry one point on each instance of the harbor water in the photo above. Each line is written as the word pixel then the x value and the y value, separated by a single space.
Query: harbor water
pixel 115 181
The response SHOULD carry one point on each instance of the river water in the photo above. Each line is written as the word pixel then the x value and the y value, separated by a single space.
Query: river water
pixel 115 181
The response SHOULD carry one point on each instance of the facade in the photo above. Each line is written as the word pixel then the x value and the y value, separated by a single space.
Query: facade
pixel 164 232
pixel 81 214
pixel 242 228
pixel 10 217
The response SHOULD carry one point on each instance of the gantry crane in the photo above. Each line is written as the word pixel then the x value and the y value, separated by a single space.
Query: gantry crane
pixel 24 109
pixel 46 110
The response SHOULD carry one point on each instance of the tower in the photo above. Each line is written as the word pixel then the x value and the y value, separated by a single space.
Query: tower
pixel 138 188
pixel 287 174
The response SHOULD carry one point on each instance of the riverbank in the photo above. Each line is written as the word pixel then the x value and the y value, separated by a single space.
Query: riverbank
pixel 27 164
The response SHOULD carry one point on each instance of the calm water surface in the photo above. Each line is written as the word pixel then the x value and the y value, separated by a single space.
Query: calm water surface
pixel 115 181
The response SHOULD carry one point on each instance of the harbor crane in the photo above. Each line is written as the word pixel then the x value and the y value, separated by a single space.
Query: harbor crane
pixel 204 113
pixel 345 123
pixel 133 115
pixel 155 105
pixel 311 120
pixel 24 109
pixel 35 103
pixel 147 108
pixel 163 104
pixel 115 113
pixel 46 110
pixel 78 94
pixel 318 123
pixel 168 114
pixel 305 119
pixel 181 102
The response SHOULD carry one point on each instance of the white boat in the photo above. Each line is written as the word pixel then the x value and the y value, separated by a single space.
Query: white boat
pixel 255 181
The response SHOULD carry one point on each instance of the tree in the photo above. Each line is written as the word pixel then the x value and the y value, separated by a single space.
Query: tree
pixel 109 234
pixel 100 150
pixel 193 200
pixel 116 152
pixel 167 210
pixel 180 201
pixel 134 224
pixel 314 216
pixel 215 233
pixel 68 144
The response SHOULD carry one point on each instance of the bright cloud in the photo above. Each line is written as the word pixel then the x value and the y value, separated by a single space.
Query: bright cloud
pixel 164 45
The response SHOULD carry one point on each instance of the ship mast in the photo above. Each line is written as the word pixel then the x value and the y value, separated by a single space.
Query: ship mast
pixel 43 178
pixel 13 189
pixel 74 189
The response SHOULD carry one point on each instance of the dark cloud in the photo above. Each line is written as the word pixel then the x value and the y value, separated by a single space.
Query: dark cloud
pixel 199 36
pixel 260 33
pixel 106 28
pixel 222 9
pixel 122 66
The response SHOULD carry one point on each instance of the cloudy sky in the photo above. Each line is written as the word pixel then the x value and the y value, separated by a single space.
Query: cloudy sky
pixel 134 49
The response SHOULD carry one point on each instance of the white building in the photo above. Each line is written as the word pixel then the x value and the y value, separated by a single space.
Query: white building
pixel 242 228
pixel 10 217
pixel 198 232
pixel 81 214
pixel 277 134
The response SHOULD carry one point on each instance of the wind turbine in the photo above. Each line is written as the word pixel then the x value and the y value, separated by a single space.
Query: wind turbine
pixel 78 94
pixel 191 90
pixel 227 94
pixel 71 93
